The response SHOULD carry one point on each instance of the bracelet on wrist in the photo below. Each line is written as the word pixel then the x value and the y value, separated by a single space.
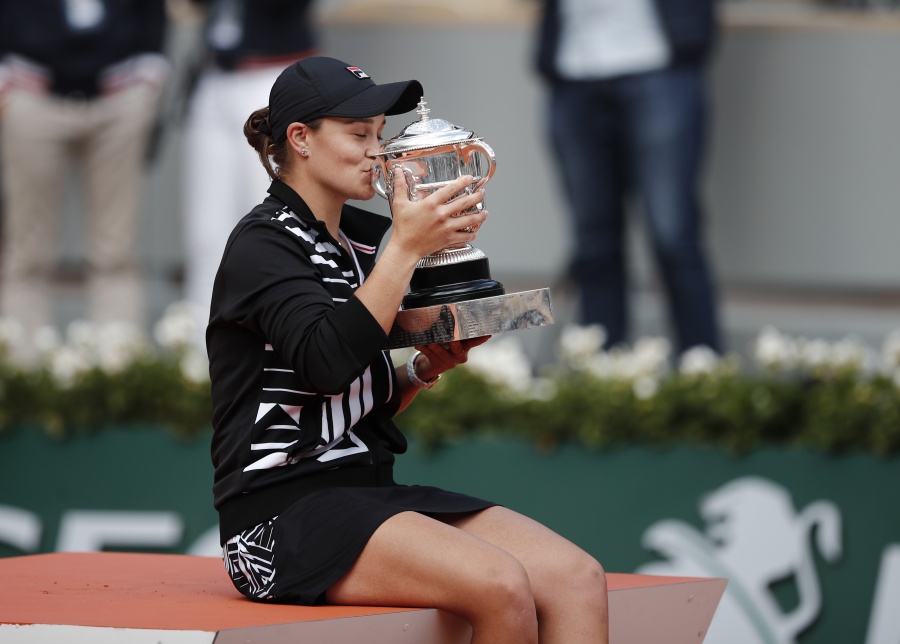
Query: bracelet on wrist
pixel 414 377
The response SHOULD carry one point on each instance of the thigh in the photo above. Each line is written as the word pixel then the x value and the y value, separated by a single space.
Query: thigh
pixel 414 560
pixel 550 559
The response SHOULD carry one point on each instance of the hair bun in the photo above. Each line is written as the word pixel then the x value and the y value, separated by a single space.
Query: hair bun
pixel 262 126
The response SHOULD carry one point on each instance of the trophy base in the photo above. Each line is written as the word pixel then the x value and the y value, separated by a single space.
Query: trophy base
pixel 453 293
pixel 455 282
pixel 472 318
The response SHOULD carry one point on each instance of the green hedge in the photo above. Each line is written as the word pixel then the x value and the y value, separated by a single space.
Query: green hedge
pixel 150 390
pixel 737 412
pixel 804 393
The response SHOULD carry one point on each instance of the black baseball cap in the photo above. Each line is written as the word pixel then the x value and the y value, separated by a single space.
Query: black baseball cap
pixel 320 86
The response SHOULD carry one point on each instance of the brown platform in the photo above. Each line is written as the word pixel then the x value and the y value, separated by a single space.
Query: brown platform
pixel 106 597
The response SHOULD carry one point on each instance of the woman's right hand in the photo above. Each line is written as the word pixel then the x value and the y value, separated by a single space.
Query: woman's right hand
pixel 433 223
pixel 420 228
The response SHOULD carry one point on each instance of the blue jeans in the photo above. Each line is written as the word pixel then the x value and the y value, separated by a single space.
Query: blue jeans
pixel 639 136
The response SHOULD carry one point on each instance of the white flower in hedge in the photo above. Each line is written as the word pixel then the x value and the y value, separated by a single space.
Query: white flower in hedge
pixel 179 327
pixel 195 366
pixel 82 334
pixel 118 344
pixel 75 354
pixel 579 344
pixel 819 355
pixel 699 360
pixel 605 365
pixel 46 339
pixel 68 362
pixel 774 350
pixel 649 357
pixel 813 354
pixel 645 386
pixel 11 335
pixel 851 353
pixel 504 362
pixel 111 347
pixel 542 389
pixel 890 351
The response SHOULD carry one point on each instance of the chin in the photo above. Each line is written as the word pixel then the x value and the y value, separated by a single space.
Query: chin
pixel 366 195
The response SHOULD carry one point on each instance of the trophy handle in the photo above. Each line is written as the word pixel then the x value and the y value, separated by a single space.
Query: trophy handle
pixel 385 188
pixel 478 146
pixel 382 188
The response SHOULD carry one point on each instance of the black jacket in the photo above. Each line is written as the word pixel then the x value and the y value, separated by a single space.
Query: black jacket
pixel 689 27
pixel 302 384
pixel 72 52
pixel 267 28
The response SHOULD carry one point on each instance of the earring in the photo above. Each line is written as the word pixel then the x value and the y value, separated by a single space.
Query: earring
pixel 304 152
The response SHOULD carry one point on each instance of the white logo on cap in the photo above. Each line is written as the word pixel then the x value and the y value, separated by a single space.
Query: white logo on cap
pixel 356 71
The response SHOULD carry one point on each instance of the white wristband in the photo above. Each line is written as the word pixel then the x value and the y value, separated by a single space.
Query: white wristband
pixel 414 377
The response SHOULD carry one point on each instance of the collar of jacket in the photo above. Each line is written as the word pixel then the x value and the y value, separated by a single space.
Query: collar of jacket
pixel 359 225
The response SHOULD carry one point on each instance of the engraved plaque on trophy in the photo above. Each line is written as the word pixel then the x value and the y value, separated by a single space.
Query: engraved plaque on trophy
pixel 452 295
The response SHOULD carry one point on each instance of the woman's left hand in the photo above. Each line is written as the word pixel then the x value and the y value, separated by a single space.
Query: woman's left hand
pixel 442 357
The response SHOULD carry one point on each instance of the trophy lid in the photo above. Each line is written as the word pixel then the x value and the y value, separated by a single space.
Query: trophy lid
pixel 426 133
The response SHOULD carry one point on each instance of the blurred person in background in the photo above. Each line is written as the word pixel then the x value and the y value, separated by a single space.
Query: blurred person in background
pixel 80 81
pixel 627 114
pixel 245 45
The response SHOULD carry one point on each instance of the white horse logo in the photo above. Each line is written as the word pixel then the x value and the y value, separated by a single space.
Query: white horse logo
pixel 754 537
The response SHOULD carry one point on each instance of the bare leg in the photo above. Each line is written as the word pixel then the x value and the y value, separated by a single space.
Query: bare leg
pixel 568 585
pixel 413 560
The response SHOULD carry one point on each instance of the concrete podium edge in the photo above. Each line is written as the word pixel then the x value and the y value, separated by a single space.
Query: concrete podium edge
pixel 103 598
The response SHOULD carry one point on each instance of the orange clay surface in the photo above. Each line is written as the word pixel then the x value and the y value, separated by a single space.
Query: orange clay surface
pixel 168 592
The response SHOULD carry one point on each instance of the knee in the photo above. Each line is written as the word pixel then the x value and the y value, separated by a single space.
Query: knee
pixel 594 578
pixel 511 588
pixel 504 595
pixel 582 575
pixel 591 574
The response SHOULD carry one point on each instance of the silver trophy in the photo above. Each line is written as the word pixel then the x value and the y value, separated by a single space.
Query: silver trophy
pixel 452 295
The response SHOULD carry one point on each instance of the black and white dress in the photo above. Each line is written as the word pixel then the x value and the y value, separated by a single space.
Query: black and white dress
pixel 304 394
